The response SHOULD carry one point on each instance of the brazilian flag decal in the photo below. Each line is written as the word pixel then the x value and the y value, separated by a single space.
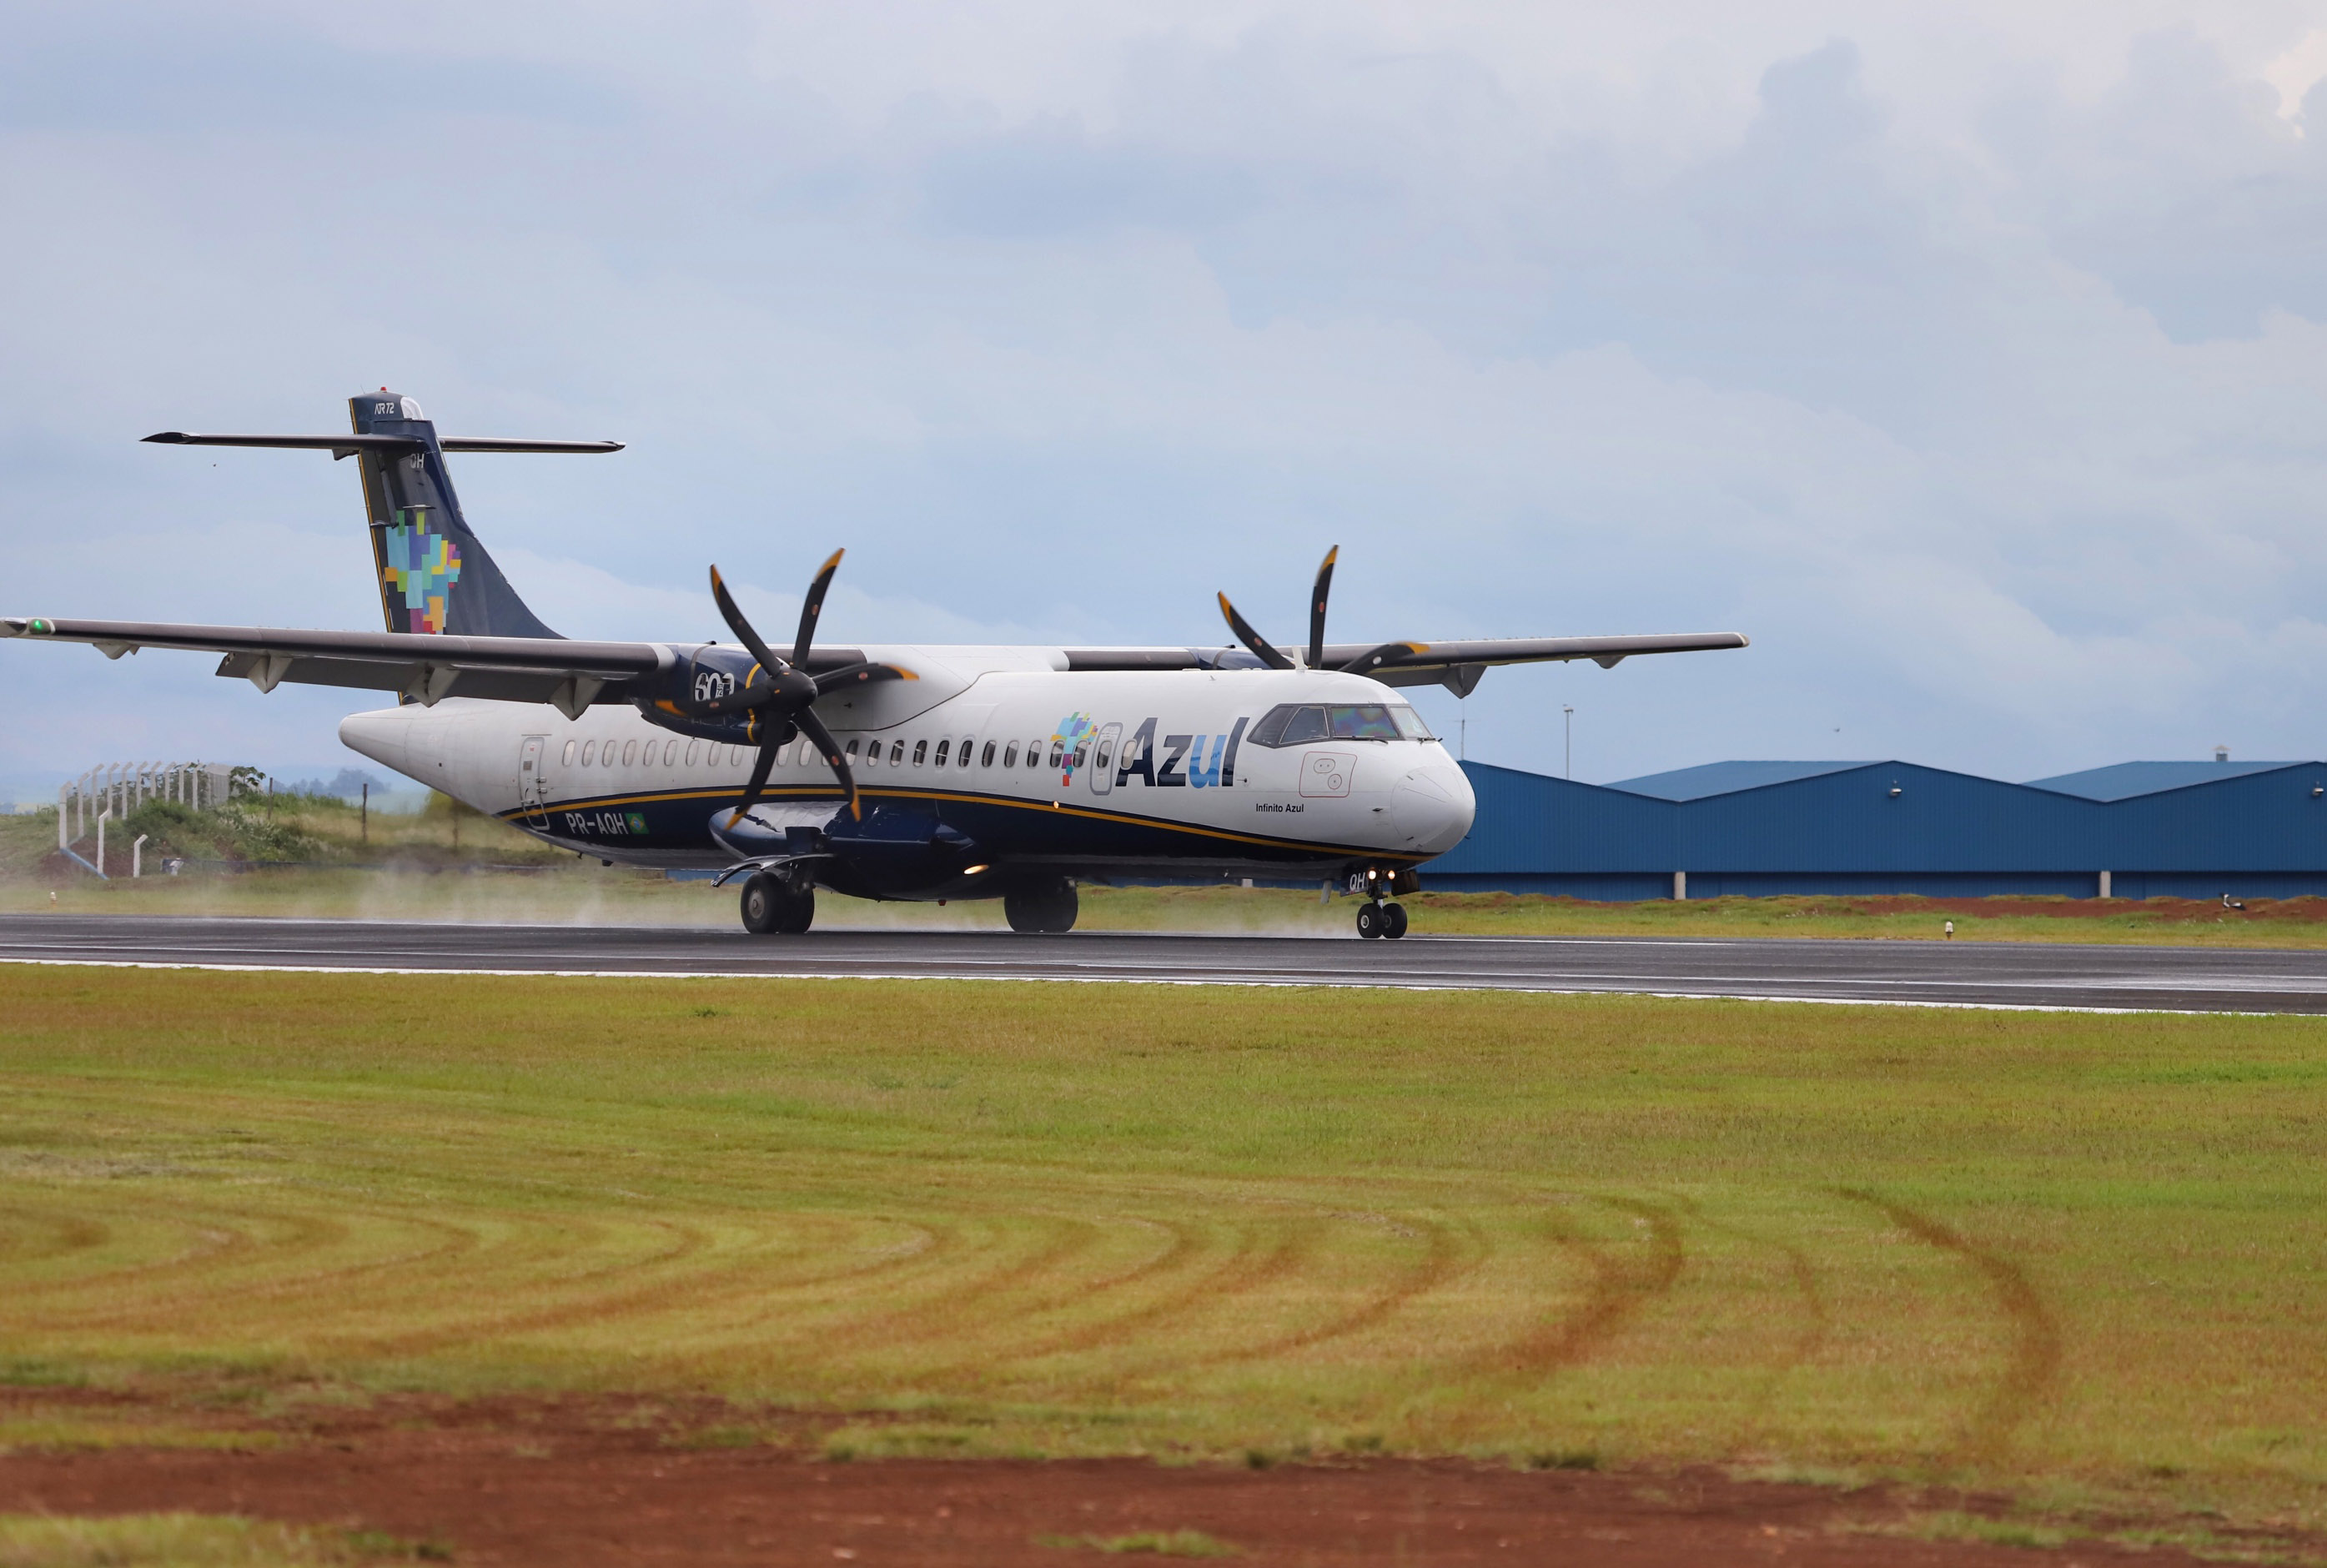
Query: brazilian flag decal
pixel 637 821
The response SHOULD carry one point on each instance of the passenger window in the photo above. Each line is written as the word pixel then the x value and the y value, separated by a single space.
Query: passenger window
pixel 985 758
pixel 630 753
pixel 1009 755
pixel 938 761
pixel 671 754
pixel 1082 753
pixel 693 752
pixel 1105 753
pixel 1034 754
pixel 606 755
pixel 738 755
pixel 588 747
pixel 897 753
pixel 967 744
pixel 851 752
pixel 1058 753
pixel 568 758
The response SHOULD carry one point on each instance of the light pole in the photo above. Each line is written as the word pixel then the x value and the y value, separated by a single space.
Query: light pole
pixel 1570 719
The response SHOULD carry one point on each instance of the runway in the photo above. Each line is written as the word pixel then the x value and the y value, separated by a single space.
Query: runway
pixel 1926 974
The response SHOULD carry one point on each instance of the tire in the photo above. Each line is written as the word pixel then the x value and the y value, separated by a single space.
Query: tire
pixel 1045 909
pixel 800 912
pixel 1370 920
pixel 1393 920
pixel 763 904
pixel 773 908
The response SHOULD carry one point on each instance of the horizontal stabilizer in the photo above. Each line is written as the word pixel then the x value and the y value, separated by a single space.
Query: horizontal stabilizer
pixel 347 446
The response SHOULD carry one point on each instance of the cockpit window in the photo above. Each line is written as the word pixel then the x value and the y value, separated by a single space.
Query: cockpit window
pixel 1295 725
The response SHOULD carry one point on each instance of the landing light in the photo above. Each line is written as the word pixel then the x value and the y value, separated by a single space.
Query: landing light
pixel 977 870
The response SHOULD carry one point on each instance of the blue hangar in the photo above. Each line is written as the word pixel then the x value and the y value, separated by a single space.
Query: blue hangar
pixel 2135 830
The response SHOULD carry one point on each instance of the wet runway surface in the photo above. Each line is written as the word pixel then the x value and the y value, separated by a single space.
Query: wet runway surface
pixel 1937 973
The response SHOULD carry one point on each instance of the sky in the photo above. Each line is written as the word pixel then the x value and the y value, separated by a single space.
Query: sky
pixel 1972 359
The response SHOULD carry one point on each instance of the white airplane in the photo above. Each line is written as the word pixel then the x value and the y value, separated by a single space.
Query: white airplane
pixel 889 771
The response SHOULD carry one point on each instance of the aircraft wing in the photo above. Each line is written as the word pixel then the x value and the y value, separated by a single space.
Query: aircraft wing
pixel 1457 666
pixel 568 674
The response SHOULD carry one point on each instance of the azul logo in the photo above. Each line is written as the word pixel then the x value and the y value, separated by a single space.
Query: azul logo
pixel 419 570
pixel 1070 743
pixel 1163 770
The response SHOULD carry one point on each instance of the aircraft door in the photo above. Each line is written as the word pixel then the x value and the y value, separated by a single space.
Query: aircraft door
pixel 1103 760
pixel 532 787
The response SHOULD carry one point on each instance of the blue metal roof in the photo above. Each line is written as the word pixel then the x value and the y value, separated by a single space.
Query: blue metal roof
pixel 1727 778
pixel 1765 827
pixel 2124 781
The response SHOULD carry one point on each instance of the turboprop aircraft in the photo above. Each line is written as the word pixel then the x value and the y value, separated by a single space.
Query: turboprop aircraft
pixel 881 771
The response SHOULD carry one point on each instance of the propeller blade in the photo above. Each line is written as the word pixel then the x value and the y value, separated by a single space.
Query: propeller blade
pixel 813 728
pixel 1317 596
pixel 760 770
pixel 813 606
pixel 742 628
pixel 850 675
pixel 1251 639
pixel 1373 658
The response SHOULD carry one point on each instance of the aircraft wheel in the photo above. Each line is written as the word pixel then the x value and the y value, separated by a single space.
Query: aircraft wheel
pixel 1370 922
pixel 1393 920
pixel 1046 909
pixel 800 912
pixel 763 904
pixel 773 908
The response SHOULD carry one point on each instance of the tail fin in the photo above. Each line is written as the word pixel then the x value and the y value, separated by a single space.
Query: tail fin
pixel 434 575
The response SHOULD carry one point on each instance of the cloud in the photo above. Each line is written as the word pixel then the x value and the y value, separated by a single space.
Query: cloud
pixel 1972 363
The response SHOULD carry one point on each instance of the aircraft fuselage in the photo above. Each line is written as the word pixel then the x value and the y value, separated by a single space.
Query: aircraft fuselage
pixel 970 777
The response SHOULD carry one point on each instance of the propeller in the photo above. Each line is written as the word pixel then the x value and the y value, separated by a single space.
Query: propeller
pixel 1317 596
pixel 782 702
pixel 1365 663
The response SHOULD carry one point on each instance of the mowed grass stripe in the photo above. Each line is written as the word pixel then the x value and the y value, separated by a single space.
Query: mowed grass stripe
pixel 1157 1220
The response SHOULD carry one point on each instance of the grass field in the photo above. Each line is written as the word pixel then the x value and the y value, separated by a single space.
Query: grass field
pixel 2078 1257
pixel 413 868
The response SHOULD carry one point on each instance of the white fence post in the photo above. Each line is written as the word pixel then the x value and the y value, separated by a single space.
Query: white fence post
pixel 137 857
pixel 100 839
pixel 62 841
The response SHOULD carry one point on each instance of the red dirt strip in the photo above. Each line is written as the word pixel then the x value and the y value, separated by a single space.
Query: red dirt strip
pixel 577 1483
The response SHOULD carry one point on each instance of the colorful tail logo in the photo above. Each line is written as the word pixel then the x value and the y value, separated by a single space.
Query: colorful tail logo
pixel 421 569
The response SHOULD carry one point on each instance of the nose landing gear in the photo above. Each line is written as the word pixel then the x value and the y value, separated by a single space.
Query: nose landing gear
pixel 1378 916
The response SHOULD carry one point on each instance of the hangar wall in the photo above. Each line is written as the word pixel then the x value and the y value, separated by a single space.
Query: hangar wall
pixel 2185 829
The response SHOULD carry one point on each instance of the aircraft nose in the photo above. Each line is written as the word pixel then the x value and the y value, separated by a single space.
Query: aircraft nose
pixel 1433 807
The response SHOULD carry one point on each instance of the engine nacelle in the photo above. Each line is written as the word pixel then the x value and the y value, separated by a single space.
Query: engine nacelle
pixel 677 699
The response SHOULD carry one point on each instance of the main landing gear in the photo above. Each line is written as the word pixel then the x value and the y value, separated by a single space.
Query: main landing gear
pixel 1041 907
pixel 772 907
pixel 1381 919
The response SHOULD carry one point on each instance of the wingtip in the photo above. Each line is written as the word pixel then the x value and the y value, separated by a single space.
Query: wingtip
pixel 167 437
pixel 831 562
pixel 1333 556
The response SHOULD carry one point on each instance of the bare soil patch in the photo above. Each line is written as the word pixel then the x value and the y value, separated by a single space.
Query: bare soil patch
pixel 578 1482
